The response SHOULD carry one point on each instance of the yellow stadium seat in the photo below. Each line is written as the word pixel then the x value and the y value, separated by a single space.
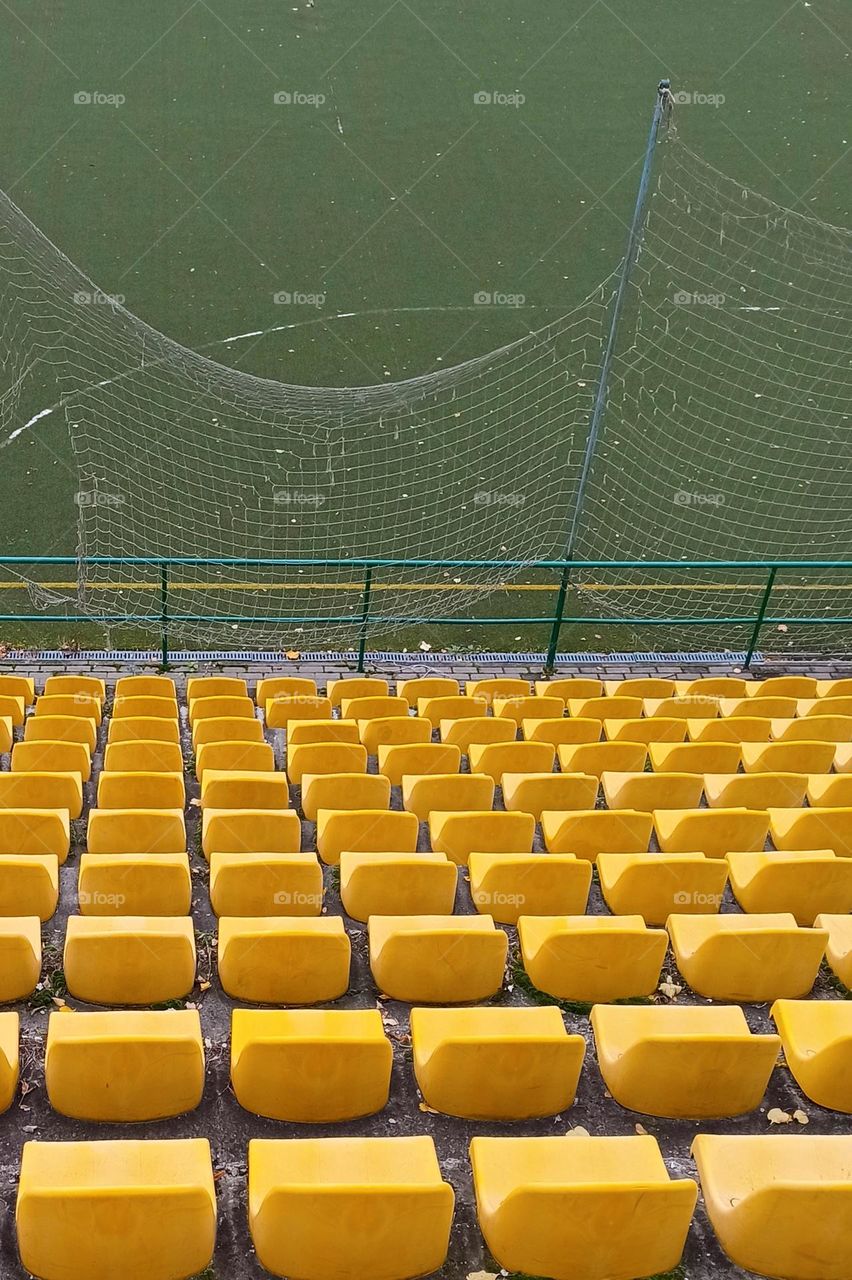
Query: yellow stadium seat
pixel 283 959
pixel 779 1203
pixel 52 757
pixel 81 705
pixel 689 707
pixel 387 731
pixel 391 1212
pixel 783 687
pixel 682 1062
pixel 142 1210
pixel 397 884
pixel 299 731
pixel 843 758
pixel 144 728
pixel 134 884
pixel 535 792
pixel 821 728
pixel 497 758
pixel 498 687
pixel 834 688
pixel 773 708
pixel 310 1066
pixel 234 757
pixel 265 884
pixel 374 708
pixel 423 793
pixel 139 756
pixel 224 729
pixel 694 757
pixel 788 757
pixel 250 831
pixel 124 1065
pixel 61 729
pixel 605 708
pixel 18 687
pixel 129 960
pixel 507 886
pixel 734 729
pixel 136 708
pixel 136 831
pixel 827 791
pixel 647 792
pixel 837 710
pixel 592 958
pixel 344 791
pixel 638 730
pixel 145 687
pixel 325 757
pixel 459 833
pixel 595 757
pixel 812 829
pixel 580 1208
pixel 42 791
pixel 496 1064
pixel 567 687
pixel 713 832
pixel 427 687
pixel 29 884
pixel 215 687
pixel 28 831
pixel 461 733
pixel 653 885
pixel 356 687
pixel 12 708
pixel 838 951
pixel 144 790
pixel 235 708
pixel 437 959
pixel 222 789
pixel 755 790
pixel 20 957
pixel 417 758
pixel 364 831
pixel 528 708
pixel 559 732
pixel 92 685
pixel 10 1066
pixel 640 687
pixel 436 710
pixel 283 686
pixel 817 1040
pixel 715 686
pixel 589 832
pixel 747 958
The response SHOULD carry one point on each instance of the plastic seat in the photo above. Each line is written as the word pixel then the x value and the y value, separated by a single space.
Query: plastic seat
pixel 689 707
pixel 283 686
pixel 417 758
pixel 147 728
pixel 129 960
pixel 496 1064
pixel 397 884
pixel 605 708
pixel 779 1204
pixel 682 1062
pixel 134 884
pixel 299 731
pixel 283 959
pixel 364 831
pixel 830 792
pixel 647 792
pixel 42 791
pixel 250 831
pixel 325 757
pixel 592 958
pixel 16 686
pixel 567 687
pixel 344 791
pixel 694 757
pixel 713 832
pixel 528 708
pixel 841 688
pixel 10 1066
pixel 656 687
pixel 580 1208
pixel 653 885
pixel 715 686
pixel 459 833
pixel 427 687
pixel 787 757
pixel 136 831
pixel 535 792
pixel 141 756
pixel 838 952
pixel 391 1211
pixel 281 710
pixel 559 732
pixel 29 884
pixel 783 687
pixel 224 729
pixel 804 883
pixel 12 708
pixel 437 959
pixel 135 708
pixel 52 757
pixel 589 832
pixel 747 958
pixel 635 729
pixel 221 789
pixel 507 886
pixel 142 1210
pixel 310 1066
pixel 265 884
pixel 234 757
pixel 595 757
pixel 374 708
pixel 461 733
pixel 62 729
pixel 822 728
pixel 497 758
pixel 498 687
pixel 6 735
pixel 28 831
pixel 144 790
pixel 774 708
pixel 817 1040
pixel 755 790
pixel 235 708
pixel 81 705
pixel 423 793
pixel 215 687
pixel 20 956
pixel 435 710
pixel 836 710
pixel 812 829
pixel 735 729
pixel 145 687
pixel 355 687
pixel 124 1066
pixel 387 731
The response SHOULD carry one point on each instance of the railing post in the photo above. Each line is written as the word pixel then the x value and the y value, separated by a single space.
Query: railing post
pixel 365 616
pixel 557 624
pixel 764 605
pixel 164 614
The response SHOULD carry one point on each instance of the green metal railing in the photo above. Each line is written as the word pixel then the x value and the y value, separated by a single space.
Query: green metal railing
pixel 165 618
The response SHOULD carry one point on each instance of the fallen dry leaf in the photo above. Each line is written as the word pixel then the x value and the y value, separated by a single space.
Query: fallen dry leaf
pixel 292 654
pixel 579 1131
pixel 429 1110
pixel 482 1275
pixel 800 1116
pixel 669 988
pixel 776 1116
pixel 640 1129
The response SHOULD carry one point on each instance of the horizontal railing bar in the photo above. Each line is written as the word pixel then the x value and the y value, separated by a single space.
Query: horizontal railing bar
pixel 375 562
pixel 397 619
